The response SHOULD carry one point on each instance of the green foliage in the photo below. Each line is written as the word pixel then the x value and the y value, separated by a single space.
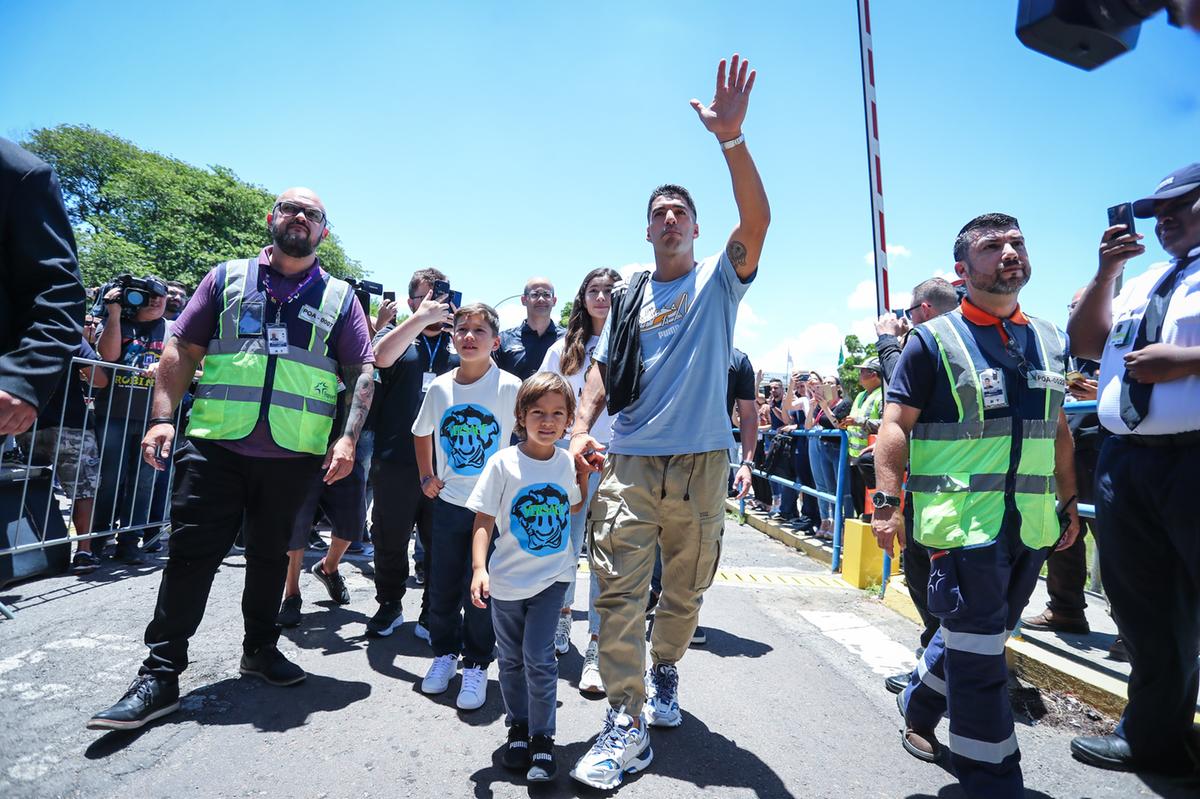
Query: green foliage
pixel 856 353
pixel 144 213
pixel 565 314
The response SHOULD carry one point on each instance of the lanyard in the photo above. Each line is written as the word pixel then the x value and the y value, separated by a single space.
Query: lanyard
pixel 432 351
pixel 295 293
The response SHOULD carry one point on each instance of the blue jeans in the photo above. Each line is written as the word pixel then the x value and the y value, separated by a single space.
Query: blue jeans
pixel 823 458
pixel 126 489
pixel 455 624
pixel 362 456
pixel 528 665
pixel 578 533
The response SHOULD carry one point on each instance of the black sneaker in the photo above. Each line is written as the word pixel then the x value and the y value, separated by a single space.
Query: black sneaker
pixel 289 612
pixel 316 542
pixel 333 583
pixel 128 552
pixel 699 637
pixel 516 753
pixel 84 562
pixel 270 664
pixel 147 699
pixel 419 573
pixel 239 543
pixel 153 546
pixel 386 619
pixel 542 767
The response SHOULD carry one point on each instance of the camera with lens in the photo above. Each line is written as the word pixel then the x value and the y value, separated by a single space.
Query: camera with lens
pixel 135 293
pixel 363 289
pixel 1088 33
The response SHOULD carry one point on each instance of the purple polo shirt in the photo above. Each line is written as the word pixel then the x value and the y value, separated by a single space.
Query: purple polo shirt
pixel 349 340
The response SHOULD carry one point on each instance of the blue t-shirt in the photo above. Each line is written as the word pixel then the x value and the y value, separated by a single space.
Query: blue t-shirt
pixel 687 342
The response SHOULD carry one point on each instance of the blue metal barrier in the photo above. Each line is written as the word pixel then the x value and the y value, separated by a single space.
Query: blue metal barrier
pixel 836 498
pixel 1087 511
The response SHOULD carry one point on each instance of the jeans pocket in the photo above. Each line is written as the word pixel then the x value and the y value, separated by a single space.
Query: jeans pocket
pixel 944 595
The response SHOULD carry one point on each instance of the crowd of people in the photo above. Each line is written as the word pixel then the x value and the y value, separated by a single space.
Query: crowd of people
pixel 509 452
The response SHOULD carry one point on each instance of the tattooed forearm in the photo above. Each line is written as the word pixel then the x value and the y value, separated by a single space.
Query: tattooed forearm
pixel 359 397
pixel 737 254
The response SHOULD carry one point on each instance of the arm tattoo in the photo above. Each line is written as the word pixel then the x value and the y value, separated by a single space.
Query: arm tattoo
pixel 737 254
pixel 358 398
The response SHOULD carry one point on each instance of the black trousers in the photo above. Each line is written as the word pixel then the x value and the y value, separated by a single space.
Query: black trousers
pixel 399 504
pixel 1149 539
pixel 455 624
pixel 916 574
pixel 217 492
pixel 1066 571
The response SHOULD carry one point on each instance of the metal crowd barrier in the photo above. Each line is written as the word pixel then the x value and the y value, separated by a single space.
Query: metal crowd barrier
pixel 835 498
pixel 121 503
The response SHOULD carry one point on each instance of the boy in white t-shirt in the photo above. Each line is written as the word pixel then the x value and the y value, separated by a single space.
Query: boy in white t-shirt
pixel 468 412
pixel 529 491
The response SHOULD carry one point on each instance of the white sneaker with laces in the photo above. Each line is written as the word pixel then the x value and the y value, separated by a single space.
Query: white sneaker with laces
pixel 590 681
pixel 620 749
pixel 662 704
pixel 473 692
pixel 441 670
pixel 562 634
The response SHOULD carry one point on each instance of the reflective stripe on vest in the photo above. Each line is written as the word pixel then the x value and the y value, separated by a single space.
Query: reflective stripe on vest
pixel 857 434
pixel 302 392
pixel 961 471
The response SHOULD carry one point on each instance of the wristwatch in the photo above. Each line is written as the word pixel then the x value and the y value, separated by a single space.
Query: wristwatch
pixel 882 500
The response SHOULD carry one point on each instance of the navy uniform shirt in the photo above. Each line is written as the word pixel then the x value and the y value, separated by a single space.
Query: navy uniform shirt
pixel 522 350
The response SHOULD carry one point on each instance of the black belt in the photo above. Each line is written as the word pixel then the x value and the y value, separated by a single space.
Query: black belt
pixel 1167 440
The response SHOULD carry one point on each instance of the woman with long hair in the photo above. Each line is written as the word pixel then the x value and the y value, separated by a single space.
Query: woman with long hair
pixel 571 357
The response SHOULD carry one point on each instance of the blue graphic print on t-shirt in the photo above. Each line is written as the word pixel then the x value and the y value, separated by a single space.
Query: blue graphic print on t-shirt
pixel 469 434
pixel 541 518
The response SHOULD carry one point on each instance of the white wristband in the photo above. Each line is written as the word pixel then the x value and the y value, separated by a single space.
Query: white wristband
pixel 729 145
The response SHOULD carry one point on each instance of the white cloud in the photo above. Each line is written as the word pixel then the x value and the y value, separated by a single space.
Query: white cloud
pixel 511 313
pixel 748 327
pixel 813 347
pixel 863 296
pixel 894 251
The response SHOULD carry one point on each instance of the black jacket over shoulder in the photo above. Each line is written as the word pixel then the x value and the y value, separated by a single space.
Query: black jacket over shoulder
pixel 41 294
pixel 622 378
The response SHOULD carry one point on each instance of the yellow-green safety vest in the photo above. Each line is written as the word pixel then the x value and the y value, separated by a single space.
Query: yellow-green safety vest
pixel 960 471
pixel 867 405
pixel 302 392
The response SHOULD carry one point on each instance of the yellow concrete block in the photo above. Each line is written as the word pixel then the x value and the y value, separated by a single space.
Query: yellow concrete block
pixel 862 559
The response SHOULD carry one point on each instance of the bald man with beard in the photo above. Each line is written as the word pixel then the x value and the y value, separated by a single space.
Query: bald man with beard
pixel 524 347
pixel 276 333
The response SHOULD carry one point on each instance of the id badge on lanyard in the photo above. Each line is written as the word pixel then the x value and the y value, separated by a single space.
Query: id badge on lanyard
pixel 995 394
pixel 277 338
pixel 426 380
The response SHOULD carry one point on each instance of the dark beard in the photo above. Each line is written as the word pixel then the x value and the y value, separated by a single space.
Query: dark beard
pixel 291 243
pixel 996 286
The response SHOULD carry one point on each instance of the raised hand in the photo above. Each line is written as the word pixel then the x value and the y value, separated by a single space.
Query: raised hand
pixel 723 117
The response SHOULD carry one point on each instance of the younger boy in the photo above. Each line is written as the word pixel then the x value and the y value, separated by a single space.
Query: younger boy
pixel 470 413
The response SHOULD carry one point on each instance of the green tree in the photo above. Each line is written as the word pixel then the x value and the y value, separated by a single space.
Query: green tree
pixel 565 314
pixel 855 353
pixel 140 212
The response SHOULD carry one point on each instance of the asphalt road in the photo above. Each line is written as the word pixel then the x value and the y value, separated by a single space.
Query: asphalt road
pixel 786 700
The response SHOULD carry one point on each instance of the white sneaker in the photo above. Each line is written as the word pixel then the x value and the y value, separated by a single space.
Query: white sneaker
pixel 590 681
pixel 562 634
pixel 620 749
pixel 662 704
pixel 441 671
pixel 422 632
pixel 473 692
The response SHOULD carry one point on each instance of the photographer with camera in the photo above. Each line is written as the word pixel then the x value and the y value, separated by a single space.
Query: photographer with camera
pixel 132 335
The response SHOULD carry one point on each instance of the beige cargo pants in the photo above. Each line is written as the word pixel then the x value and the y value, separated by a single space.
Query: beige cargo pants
pixel 678 502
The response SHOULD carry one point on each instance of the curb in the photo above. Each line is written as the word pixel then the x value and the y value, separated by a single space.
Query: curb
pixel 1035 664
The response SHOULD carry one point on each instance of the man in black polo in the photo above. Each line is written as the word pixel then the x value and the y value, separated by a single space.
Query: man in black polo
pixel 523 348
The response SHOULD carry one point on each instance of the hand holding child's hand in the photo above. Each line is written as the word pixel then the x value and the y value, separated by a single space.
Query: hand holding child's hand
pixel 432 486
pixel 480 589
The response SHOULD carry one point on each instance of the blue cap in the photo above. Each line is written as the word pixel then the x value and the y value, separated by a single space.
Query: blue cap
pixel 1176 184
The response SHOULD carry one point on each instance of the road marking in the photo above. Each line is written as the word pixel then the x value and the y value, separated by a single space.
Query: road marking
pixel 870 644
pixel 762 578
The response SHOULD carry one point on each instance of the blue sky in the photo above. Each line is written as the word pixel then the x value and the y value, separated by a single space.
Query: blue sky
pixel 503 140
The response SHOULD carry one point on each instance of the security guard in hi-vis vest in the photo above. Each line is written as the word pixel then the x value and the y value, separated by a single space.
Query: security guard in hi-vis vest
pixel 975 406
pixel 274 333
